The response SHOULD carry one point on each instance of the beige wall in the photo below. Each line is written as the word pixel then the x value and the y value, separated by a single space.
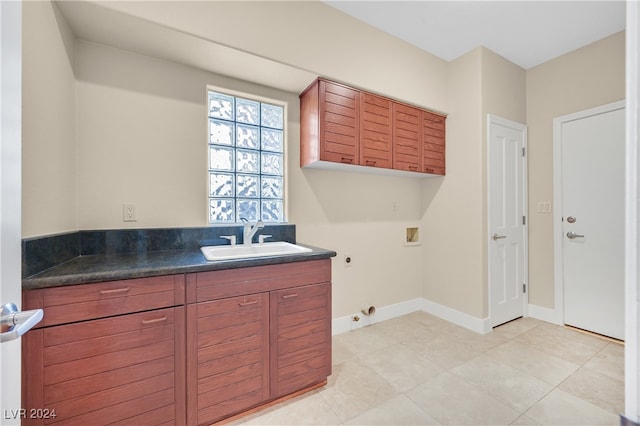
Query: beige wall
pixel 455 220
pixel 48 122
pixel 504 95
pixel 503 88
pixel 141 138
pixel 452 221
pixel 155 156
pixel 311 36
pixel 588 77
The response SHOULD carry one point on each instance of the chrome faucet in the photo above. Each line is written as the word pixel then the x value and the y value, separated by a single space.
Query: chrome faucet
pixel 250 230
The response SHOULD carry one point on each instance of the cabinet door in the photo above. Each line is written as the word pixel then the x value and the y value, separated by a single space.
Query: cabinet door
pixel 375 131
pixel 300 337
pixel 122 370
pixel 434 143
pixel 227 357
pixel 339 120
pixel 407 138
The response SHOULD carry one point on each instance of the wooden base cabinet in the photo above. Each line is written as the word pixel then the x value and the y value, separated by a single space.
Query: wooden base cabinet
pixel 254 335
pixel 228 343
pixel 186 349
pixel 122 369
pixel 301 337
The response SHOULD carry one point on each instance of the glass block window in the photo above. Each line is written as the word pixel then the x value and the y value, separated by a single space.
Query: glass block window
pixel 246 160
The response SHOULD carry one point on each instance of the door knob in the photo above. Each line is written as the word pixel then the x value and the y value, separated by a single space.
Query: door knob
pixel 15 323
pixel 573 236
pixel 498 237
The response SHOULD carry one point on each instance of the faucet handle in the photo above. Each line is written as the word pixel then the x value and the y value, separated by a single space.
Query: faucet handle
pixel 231 238
pixel 263 237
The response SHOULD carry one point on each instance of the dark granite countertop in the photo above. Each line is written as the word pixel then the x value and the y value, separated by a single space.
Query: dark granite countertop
pixel 110 267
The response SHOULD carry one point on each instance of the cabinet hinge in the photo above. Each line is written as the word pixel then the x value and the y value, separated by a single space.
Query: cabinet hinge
pixel 523 151
pixel 524 220
pixel 524 288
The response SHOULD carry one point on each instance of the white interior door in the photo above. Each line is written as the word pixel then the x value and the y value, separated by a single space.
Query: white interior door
pixel 507 223
pixel 592 219
pixel 10 199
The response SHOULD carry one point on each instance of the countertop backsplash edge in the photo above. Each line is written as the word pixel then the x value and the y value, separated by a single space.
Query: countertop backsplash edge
pixel 42 253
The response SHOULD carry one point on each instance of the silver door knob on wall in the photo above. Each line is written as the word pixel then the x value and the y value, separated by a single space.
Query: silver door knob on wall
pixel 571 219
pixel 498 237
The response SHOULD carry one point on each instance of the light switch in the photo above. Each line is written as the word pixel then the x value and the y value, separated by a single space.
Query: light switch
pixel 544 206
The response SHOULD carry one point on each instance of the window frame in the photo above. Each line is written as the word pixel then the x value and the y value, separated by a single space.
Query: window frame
pixel 285 169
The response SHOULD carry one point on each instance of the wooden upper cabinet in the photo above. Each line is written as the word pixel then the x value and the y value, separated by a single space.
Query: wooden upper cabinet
pixel 329 123
pixel 375 131
pixel 407 138
pixel 342 125
pixel 433 143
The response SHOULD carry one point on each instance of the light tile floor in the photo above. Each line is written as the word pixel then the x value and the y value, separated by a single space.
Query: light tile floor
pixel 421 370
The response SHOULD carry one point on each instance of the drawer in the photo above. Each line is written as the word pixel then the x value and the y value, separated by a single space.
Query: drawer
pixel 211 285
pixel 74 303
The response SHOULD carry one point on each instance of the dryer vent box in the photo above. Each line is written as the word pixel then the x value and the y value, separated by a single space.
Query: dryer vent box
pixel 412 236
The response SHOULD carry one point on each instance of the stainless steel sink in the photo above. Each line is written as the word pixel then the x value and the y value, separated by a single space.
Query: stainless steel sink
pixel 278 248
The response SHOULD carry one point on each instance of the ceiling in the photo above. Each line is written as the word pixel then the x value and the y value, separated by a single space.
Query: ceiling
pixel 526 33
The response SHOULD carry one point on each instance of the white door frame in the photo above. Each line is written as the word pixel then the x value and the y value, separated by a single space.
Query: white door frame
pixel 10 199
pixel 558 236
pixel 632 220
pixel 494 119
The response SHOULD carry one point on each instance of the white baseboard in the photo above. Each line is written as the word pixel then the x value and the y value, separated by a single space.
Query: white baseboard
pixel 545 314
pixel 479 325
pixel 343 324
pixel 383 313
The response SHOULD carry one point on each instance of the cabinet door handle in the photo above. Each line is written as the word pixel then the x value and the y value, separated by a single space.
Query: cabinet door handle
pixel 115 290
pixel 428 169
pixel 413 167
pixel 370 162
pixel 289 296
pixel 251 302
pixel 346 160
pixel 152 321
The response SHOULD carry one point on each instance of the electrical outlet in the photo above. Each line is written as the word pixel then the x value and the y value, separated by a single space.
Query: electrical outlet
pixel 129 212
